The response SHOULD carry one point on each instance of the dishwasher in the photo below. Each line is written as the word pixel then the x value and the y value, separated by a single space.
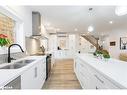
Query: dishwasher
pixel 14 84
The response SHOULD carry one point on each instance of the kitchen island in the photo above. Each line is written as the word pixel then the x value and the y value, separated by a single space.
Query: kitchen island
pixel 94 73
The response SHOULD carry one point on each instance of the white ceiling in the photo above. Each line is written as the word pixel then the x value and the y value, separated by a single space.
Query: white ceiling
pixel 67 18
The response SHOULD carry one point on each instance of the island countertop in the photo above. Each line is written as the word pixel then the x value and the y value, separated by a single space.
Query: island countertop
pixel 114 69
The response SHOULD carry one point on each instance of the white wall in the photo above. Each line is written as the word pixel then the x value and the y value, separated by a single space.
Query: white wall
pixel 45 40
pixel 77 42
pixel 24 15
pixel 73 41
pixel 85 46
pixel 66 42
pixel 44 32
pixel 52 42
pixel 115 36
pixel 66 52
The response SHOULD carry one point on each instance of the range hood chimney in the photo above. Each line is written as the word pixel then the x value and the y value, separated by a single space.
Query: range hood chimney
pixel 36 25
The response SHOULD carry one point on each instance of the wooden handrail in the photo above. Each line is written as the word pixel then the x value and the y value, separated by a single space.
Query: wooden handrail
pixel 92 40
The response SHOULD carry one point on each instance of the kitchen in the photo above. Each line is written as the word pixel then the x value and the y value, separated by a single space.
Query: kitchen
pixel 45 49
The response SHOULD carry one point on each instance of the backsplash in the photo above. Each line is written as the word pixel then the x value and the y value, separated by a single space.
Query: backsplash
pixel 3 57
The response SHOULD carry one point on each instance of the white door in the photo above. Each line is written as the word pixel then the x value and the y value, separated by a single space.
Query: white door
pixel 72 44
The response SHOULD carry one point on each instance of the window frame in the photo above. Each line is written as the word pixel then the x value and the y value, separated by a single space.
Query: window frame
pixel 19 33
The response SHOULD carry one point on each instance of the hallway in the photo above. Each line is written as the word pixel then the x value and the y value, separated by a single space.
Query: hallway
pixel 62 76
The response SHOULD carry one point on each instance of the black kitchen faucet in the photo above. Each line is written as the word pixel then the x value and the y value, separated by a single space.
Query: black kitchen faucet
pixel 9 58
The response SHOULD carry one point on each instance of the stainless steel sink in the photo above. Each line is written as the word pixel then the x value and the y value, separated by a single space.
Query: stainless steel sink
pixel 24 62
pixel 18 64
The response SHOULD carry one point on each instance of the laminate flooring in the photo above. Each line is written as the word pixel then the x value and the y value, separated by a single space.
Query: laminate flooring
pixel 62 76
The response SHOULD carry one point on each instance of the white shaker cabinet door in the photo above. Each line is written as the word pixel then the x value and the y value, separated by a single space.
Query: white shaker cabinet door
pixel 34 78
pixel 87 78
pixel 28 78
pixel 41 74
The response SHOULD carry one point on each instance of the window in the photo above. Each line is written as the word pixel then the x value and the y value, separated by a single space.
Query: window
pixel 7 27
pixel 11 24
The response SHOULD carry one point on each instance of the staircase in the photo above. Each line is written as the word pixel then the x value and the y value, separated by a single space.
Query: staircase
pixel 93 40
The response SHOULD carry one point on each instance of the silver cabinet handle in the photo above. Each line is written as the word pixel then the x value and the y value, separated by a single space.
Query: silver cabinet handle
pixel 35 72
pixel 99 79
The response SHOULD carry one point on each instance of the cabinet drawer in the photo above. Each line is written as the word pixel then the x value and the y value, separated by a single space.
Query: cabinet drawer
pixel 82 83
pixel 86 79
pixel 103 80
pixel 84 68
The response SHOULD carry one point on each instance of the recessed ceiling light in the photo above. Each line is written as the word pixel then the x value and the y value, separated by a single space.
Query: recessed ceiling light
pixel 57 29
pixel 111 22
pixel 90 28
pixel 75 29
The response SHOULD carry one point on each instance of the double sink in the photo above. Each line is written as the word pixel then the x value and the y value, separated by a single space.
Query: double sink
pixel 18 64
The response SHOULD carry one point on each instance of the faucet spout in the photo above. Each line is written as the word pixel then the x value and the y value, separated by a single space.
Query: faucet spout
pixel 9 58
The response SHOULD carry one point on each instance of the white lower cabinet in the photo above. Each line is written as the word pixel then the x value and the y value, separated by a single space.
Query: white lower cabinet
pixel 89 78
pixel 34 78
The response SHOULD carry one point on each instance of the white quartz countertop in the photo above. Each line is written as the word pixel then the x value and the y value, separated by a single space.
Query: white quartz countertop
pixel 113 69
pixel 7 75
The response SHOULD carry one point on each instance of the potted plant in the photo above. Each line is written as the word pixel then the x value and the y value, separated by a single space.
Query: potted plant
pixel 4 40
pixel 97 53
pixel 106 57
pixel 106 54
pixel 102 53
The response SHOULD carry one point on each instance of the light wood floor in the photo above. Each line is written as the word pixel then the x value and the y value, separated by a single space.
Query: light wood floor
pixel 62 76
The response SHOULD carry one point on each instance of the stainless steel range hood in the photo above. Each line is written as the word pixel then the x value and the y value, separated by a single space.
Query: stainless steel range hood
pixel 36 25
pixel 38 37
